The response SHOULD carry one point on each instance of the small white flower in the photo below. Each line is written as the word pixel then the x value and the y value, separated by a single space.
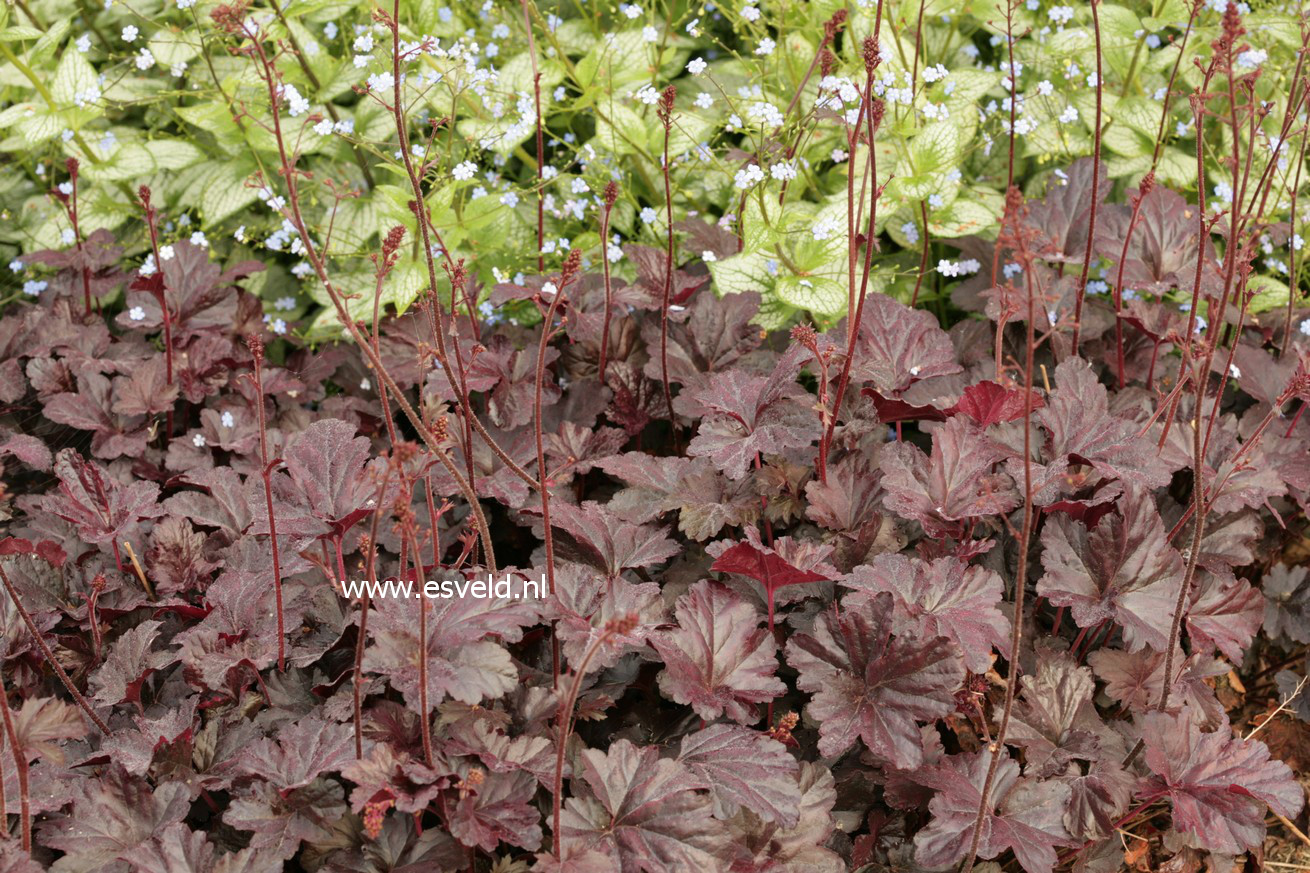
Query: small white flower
pixel 278 326
pixel 1045 88
pixel 166 253
pixel 549 290
pixel 1304 327
pixel 765 47
pixel 16 265
pixel 696 66
pixel 198 239
pixel 228 419
pixel 464 171
pixel 33 287
pixel 68 236
pixel 1234 371
pixel 632 10
pixel 130 33
pixel 324 127
pixel 703 100
pixel 84 43
pixel 145 59
pixel 510 199
pixel 650 34
pixel 198 441
pixel 708 256
pixel 365 385
pixel 136 313
pixel 750 13
pixel 1069 115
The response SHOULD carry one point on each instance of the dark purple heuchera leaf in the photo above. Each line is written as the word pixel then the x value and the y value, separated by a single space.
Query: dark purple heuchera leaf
pixel 28 449
pixel 747 416
pixel 769 847
pixel 1225 614
pixel 112 815
pixel 897 345
pixel 1061 217
pixel 1162 246
pixel 585 604
pixel 1082 430
pixel 718 660
pixel 1287 612
pixel 101 509
pixel 178 849
pixel 40 722
pixel 871 685
pixel 299 753
pixel 954 483
pixel 1219 785
pixel 643 812
pixel 716 335
pixel 129 662
pixel 942 598
pixel 595 536
pixel 704 498
pixel 1137 681
pixel 280 822
pixel 326 463
pixel 1055 721
pixel 1123 569
pixel 464 659
pixel 199 294
pixel 1025 815
pixel 499 810
pixel 94 407
pixel 744 768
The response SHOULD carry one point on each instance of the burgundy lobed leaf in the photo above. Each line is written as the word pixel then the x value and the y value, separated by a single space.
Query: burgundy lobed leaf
pixel 1218 785
pixel 718 660
pixel 872 685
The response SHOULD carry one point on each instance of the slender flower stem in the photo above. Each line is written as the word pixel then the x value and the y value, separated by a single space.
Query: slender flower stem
pixel 541 142
pixel 666 117
pixel 1081 290
pixel 50 656
pixel 1014 209
pixel 611 194
pixel 20 766
pixel 266 472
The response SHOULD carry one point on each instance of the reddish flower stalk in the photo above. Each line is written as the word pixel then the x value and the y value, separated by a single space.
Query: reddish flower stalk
pixel 541 142
pixel 425 714
pixel 1009 177
pixel 20 766
pixel 621 626
pixel 1294 268
pixel 70 208
pixel 1014 214
pixel 873 119
pixel 611 195
pixel 50 656
pixel 231 19
pixel 548 329
pixel 1143 190
pixel 161 298
pixel 665 111
pixel 1081 291
pixel 266 467
pixel 927 238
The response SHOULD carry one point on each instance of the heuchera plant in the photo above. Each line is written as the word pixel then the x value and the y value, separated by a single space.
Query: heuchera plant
pixel 844 566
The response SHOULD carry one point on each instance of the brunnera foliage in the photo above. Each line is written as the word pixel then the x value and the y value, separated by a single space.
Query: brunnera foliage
pixel 901 404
